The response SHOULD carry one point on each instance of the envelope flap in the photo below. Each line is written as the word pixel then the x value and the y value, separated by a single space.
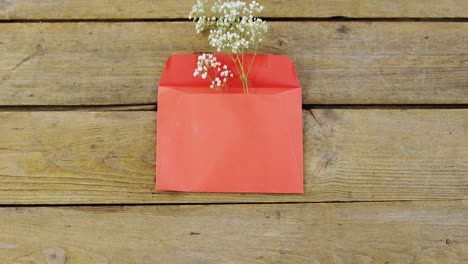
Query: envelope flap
pixel 267 71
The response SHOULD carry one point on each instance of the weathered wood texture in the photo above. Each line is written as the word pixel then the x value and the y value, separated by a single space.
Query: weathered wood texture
pixel 128 9
pixel 399 232
pixel 337 62
pixel 349 155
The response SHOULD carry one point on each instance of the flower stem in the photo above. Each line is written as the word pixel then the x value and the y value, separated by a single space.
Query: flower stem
pixel 244 76
pixel 240 67
pixel 252 61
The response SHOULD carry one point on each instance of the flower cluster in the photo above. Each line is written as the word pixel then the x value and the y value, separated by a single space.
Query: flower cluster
pixel 233 29
pixel 209 67
pixel 232 26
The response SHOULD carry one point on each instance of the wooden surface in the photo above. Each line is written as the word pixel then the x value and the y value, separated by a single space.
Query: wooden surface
pixel 400 232
pixel 349 155
pixel 337 62
pixel 385 95
pixel 157 9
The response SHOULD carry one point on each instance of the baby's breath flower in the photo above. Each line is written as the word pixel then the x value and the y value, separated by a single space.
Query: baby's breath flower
pixel 209 67
pixel 232 28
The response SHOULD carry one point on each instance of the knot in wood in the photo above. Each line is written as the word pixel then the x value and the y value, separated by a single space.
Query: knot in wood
pixel 55 256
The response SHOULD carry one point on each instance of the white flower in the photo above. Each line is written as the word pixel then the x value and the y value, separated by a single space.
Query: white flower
pixel 232 27
pixel 208 67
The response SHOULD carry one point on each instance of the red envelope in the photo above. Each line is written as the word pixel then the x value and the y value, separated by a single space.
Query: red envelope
pixel 230 142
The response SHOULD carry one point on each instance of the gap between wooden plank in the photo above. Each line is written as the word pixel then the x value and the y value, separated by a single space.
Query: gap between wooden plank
pixel 45 108
pixel 270 19
pixel 220 203
pixel 153 107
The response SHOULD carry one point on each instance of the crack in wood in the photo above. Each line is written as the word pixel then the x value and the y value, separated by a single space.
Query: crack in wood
pixel 38 52
pixel 315 118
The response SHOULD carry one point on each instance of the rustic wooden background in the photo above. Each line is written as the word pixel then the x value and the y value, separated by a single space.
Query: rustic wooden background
pixel 385 136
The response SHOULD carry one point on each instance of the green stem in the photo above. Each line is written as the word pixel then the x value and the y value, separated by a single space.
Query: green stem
pixel 241 71
pixel 245 88
pixel 237 68
pixel 252 61
pixel 244 76
pixel 239 64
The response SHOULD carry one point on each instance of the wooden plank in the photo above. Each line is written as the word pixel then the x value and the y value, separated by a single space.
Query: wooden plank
pixel 397 232
pixel 349 155
pixel 163 9
pixel 337 63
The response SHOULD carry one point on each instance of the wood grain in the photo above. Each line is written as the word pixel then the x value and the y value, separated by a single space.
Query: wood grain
pixel 337 62
pixel 399 232
pixel 163 9
pixel 349 155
